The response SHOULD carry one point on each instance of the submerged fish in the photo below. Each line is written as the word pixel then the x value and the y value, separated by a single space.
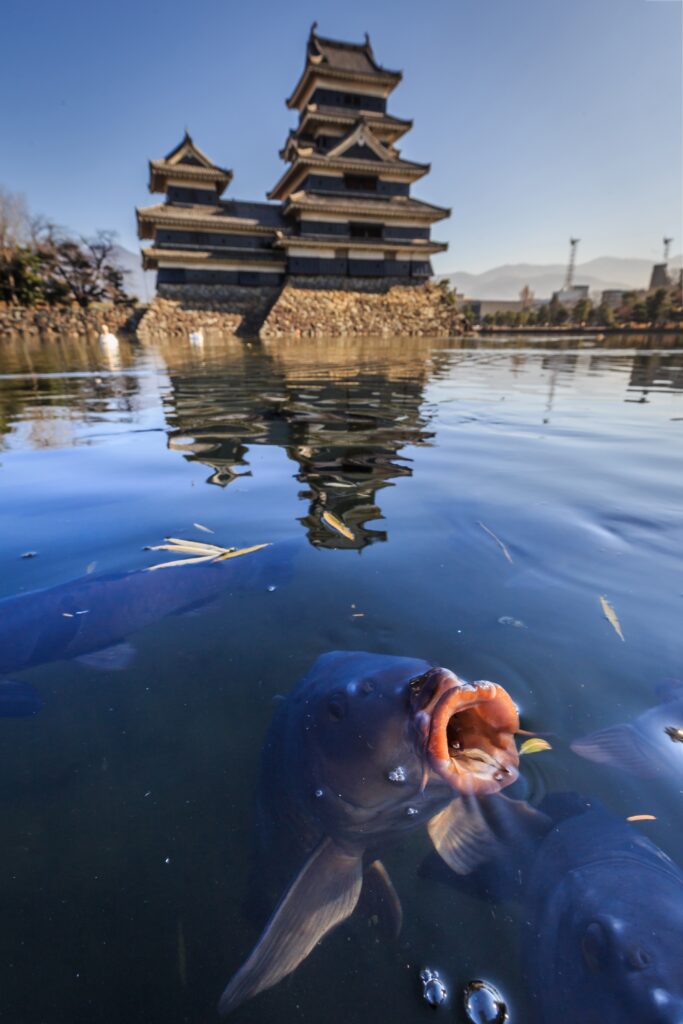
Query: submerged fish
pixel 604 940
pixel 602 911
pixel 364 749
pixel 91 617
pixel 649 746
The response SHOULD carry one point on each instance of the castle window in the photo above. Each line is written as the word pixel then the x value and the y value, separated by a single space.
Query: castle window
pixel 365 230
pixel 360 183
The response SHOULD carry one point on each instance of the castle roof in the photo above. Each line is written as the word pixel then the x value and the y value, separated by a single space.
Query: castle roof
pixel 389 168
pixel 187 163
pixel 333 58
pixel 380 122
pixel 413 246
pixel 391 207
pixel 229 215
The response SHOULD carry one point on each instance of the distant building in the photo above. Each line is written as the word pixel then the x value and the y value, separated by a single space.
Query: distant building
pixel 342 209
pixel 483 307
pixel 612 297
pixel 659 278
pixel 570 296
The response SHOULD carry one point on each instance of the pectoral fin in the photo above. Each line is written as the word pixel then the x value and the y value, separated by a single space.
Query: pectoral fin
pixel 323 894
pixel 381 899
pixel 619 746
pixel 461 835
pixel 116 658
pixel 474 830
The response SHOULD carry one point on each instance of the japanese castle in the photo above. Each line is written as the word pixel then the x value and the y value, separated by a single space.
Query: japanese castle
pixel 341 211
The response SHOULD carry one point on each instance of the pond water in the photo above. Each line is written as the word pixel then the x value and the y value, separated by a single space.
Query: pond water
pixel 491 493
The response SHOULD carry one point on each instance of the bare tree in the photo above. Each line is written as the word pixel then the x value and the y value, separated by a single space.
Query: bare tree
pixel 14 219
pixel 85 269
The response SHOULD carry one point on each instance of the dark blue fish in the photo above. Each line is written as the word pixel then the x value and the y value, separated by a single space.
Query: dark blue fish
pixel 366 748
pixel 18 700
pixel 649 746
pixel 602 911
pixel 91 617
pixel 604 938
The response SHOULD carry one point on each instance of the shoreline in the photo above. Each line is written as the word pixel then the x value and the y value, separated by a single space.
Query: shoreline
pixel 596 331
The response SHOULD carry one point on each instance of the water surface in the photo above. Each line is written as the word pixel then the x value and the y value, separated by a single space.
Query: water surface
pixel 127 802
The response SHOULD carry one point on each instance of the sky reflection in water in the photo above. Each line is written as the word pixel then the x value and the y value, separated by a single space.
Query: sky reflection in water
pixel 128 801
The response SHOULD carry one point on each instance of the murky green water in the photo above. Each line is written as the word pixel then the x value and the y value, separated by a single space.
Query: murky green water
pixel 127 801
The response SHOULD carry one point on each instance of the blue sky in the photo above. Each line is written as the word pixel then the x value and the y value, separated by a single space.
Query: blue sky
pixel 541 118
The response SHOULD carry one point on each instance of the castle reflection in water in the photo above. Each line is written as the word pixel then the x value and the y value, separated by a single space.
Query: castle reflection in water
pixel 347 412
pixel 348 431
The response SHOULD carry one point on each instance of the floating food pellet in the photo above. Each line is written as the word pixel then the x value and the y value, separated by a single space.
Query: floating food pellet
pixel 484 1003
pixel 433 989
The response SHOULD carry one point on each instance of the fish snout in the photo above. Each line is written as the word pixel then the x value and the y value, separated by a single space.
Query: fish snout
pixel 470 740
pixel 668 1009
pixel 425 692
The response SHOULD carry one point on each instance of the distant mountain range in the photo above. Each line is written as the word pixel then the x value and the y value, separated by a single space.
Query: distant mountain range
pixel 507 281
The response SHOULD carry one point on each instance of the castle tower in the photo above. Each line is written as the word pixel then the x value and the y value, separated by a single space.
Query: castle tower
pixel 346 199
pixel 198 238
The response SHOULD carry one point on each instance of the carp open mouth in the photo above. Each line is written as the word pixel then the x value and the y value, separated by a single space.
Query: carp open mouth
pixel 467 730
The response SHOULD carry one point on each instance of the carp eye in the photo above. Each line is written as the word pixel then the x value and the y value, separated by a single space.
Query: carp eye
pixel 638 959
pixel 594 947
pixel 337 708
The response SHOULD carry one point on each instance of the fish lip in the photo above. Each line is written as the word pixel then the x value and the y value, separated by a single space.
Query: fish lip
pixel 488 759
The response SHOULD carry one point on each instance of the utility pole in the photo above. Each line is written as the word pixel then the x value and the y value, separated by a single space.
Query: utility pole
pixel 667 246
pixel 569 279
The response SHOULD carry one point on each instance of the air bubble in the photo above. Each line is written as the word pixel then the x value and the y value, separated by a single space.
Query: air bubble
pixel 397 774
pixel 433 989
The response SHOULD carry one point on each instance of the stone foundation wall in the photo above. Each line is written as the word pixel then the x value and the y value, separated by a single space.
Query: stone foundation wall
pixel 230 309
pixel 309 311
pixel 304 307
pixel 67 319
pixel 329 282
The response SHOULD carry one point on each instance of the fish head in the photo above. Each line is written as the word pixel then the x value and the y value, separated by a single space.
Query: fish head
pixel 385 728
pixel 634 962
pixel 608 940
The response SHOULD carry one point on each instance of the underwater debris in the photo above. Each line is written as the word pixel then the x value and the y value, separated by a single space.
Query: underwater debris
pixel 199 551
pixel 534 746
pixel 611 616
pixel 503 547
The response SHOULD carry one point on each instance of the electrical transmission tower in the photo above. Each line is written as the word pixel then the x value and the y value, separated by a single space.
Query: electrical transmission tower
pixel 569 279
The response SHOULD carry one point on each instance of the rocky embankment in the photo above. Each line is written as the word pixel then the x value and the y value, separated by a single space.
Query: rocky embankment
pixel 228 309
pixel 414 311
pixel 168 317
pixel 66 319
pixel 296 311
